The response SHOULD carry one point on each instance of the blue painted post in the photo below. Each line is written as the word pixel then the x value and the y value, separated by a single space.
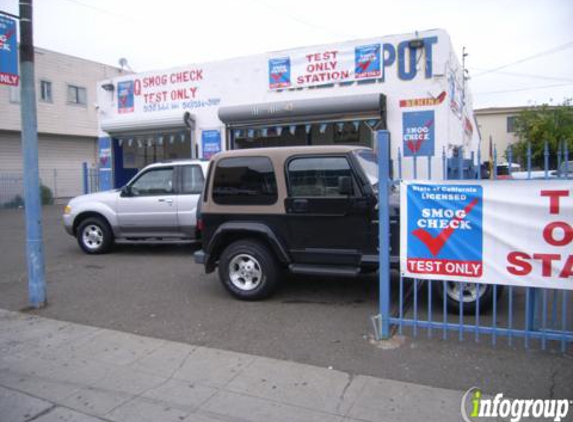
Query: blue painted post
pixel 494 162
pixel 33 206
pixel 85 177
pixel 529 160
pixel 566 158
pixel 399 164
pixel 509 159
pixel 384 231
pixel 559 154
pixel 546 159
pixel 479 164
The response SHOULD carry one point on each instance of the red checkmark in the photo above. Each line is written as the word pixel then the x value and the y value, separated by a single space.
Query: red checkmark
pixel 435 244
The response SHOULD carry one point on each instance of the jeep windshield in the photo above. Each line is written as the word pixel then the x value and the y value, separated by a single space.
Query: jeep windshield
pixel 369 163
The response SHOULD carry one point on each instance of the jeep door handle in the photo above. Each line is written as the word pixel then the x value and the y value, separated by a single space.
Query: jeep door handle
pixel 168 201
pixel 300 205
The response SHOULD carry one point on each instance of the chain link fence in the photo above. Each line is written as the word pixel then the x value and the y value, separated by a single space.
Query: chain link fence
pixel 56 185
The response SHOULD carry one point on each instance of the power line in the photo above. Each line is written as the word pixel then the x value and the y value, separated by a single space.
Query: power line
pixel 531 76
pixel 522 89
pixel 105 12
pixel 534 56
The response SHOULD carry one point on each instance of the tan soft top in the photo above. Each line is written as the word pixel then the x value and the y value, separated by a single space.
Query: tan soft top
pixel 278 156
pixel 284 152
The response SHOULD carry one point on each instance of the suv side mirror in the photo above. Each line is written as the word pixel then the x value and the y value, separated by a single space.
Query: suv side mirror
pixel 345 185
pixel 126 190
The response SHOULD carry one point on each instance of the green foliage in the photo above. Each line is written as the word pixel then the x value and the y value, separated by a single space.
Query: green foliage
pixel 46 195
pixel 17 202
pixel 544 123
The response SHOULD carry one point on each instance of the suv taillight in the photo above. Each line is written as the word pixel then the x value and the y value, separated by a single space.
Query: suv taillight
pixel 200 225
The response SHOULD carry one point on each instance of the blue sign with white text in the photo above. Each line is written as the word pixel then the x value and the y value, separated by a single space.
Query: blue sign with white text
pixel 279 73
pixel 8 52
pixel 125 97
pixel 445 229
pixel 418 133
pixel 211 143
pixel 367 61
pixel 104 163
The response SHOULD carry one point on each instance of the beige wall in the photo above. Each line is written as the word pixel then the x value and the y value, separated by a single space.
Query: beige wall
pixel 493 123
pixel 59 116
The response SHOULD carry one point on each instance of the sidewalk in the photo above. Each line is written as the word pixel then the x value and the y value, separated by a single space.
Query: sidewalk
pixel 58 371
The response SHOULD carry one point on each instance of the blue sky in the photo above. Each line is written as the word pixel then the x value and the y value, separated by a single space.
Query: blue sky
pixel 520 52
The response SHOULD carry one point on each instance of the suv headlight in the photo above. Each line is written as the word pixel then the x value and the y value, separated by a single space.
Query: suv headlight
pixel 67 209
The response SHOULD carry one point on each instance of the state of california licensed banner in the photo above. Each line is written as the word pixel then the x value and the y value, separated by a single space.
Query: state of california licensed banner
pixel 512 232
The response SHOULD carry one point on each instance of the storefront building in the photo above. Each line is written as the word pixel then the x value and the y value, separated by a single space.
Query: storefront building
pixel 410 84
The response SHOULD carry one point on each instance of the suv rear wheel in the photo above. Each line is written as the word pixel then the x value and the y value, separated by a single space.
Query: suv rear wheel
pixel 248 270
pixel 457 292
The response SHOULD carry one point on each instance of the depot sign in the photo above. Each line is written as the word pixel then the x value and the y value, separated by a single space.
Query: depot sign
pixel 516 233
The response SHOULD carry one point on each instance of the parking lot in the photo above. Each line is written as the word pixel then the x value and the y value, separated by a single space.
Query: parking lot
pixel 158 291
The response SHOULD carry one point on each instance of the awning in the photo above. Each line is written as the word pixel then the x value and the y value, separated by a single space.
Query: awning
pixel 129 125
pixel 305 111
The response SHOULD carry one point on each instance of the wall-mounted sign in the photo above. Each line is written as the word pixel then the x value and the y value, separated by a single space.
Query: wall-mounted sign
pixel 423 102
pixel 210 143
pixel 8 52
pixel 367 61
pixel 322 66
pixel 279 73
pixel 418 133
pixel 518 233
pixel 125 97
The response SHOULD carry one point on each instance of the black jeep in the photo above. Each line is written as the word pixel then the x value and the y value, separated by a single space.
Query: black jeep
pixel 309 210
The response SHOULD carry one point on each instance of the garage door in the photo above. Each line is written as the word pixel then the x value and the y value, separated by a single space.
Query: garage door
pixel 60 163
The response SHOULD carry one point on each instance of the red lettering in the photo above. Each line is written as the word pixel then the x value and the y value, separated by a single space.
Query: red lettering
pixel 549 233
pixel 519 262
pixel 546 261
pixel 567 268
pixel 137 87
pixel 554 196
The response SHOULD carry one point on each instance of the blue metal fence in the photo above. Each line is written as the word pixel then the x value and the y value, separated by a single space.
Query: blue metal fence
pixel 537 317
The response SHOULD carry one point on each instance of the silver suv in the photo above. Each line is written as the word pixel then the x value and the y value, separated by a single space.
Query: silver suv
pixel 159 203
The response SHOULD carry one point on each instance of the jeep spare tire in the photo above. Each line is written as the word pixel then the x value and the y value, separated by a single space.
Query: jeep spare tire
pixel 249 270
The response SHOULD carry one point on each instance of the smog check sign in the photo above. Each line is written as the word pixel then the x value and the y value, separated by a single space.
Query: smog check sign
pixel 517 233
pixel 444 230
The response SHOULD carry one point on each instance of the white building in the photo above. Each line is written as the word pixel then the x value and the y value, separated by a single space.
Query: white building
pixel 336 93
pixel 67 123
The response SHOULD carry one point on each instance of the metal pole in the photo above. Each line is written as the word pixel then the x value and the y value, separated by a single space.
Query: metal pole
pixel 384 230
pixel 33 210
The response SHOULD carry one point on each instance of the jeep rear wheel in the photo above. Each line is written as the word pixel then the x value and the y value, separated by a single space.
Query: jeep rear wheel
pixel 248 270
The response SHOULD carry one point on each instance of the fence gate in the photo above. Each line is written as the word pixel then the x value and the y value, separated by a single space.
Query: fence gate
pixel 536 317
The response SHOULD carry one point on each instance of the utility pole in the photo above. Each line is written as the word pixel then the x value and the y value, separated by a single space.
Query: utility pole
pixel 33 206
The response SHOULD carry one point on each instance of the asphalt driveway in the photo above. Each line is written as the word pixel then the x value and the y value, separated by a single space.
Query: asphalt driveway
pixel 158 291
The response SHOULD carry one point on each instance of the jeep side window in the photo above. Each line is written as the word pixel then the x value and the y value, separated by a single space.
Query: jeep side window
pixel 318 176
pixel 191 179
pixel 154 182
pixel 245 181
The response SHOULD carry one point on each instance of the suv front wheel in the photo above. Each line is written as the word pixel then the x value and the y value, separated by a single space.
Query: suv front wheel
pixel 94 236
pixel 248 270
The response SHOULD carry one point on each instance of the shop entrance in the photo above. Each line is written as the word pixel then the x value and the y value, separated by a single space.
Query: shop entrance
pixel 132 152
pixel 346 120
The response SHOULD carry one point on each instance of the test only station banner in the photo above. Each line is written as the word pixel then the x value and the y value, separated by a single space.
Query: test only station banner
pixel 517 232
